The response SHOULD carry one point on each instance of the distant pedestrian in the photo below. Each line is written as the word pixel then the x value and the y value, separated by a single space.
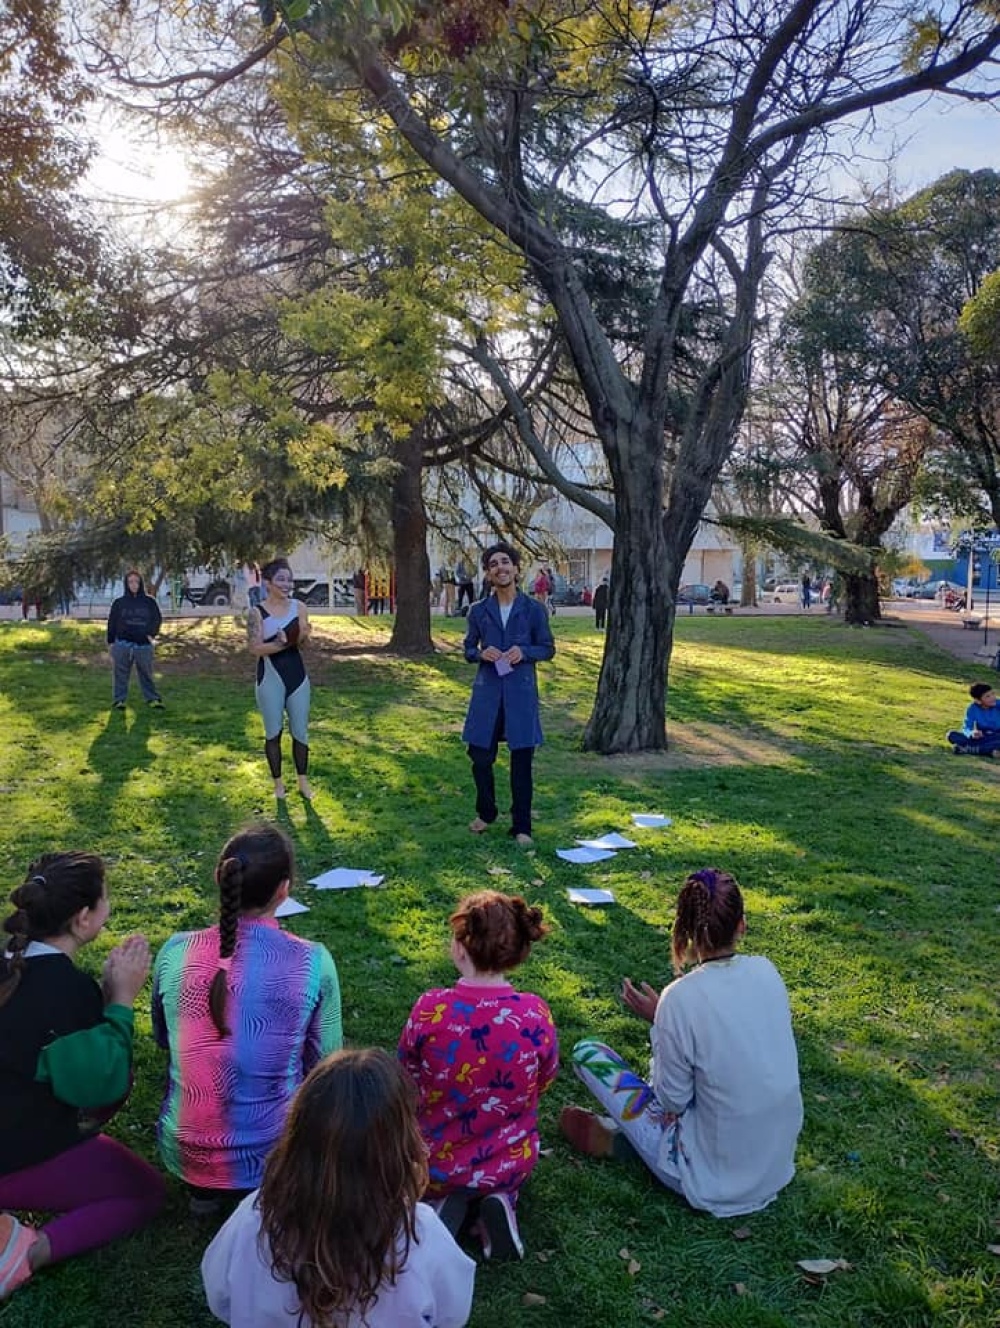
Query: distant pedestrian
pixel 464 582
pixel 806 590
pixel 358 584
pixel 601 595
pixel 133 624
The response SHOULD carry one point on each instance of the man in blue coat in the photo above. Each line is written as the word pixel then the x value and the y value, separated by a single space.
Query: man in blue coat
pixel 508 635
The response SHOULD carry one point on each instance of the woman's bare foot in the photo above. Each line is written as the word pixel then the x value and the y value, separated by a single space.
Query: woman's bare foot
pixel 524 841
pixel 279 789
pixel 305 788
pixel 478 826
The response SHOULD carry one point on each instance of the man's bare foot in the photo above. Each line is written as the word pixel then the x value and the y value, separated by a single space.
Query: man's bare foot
pixel 525 841
pixel 305 788
pixel 279 789
pixel 478 826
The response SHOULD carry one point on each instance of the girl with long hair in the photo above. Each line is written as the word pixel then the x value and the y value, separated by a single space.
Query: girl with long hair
pixel 245 1010
pixel 276 628
pixel 65 1067
pixel 481 1054
pixel 719 1117
pixel 335 1235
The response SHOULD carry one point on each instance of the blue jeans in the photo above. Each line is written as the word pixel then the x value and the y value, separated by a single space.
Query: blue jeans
pixel 123 655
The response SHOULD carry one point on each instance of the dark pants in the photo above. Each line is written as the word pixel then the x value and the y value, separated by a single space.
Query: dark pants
pixel 521 788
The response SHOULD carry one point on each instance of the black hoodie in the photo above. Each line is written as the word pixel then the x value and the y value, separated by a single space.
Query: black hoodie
pixel 134 618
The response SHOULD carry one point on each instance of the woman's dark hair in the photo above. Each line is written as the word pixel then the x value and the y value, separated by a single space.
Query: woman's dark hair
pixel 497 930
pixel 275 565
pixel 251 866
pixel 979 689
pixel 55 888
pixel 500 547
pixel 341 1185
pixel 709 912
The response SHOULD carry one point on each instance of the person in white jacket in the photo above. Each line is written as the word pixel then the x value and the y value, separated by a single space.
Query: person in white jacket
pixel 335 1235
pixel 720 1115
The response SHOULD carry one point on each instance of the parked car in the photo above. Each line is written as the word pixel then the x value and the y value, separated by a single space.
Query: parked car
pixel 786 592
pixel 563 593
pixel 695 593
pixel 938 588
pixel 218 593
pixel 313 592
pixel 904 587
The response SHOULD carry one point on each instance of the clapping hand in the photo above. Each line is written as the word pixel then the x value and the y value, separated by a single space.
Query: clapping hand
pixel 125 970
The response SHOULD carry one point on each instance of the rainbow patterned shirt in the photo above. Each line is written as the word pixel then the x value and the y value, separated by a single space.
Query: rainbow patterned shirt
pixel 227 1097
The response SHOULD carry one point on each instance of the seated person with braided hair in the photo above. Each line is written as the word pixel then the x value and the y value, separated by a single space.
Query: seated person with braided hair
pixel 245 1010
pixel 65 1068
pixel 719 1117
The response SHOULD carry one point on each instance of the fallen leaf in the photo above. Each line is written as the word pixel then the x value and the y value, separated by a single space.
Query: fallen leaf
pixel 533 1298
pixel 742 1233
pixel 543 1256
pixel 498 871
pixel 822 1267
pixel 538 881
pixel 993 1249
pixel 740 1288
pixel 633 1267
pixel 820 1097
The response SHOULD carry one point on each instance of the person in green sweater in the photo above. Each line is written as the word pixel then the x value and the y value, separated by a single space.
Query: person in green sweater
pixel 65 1068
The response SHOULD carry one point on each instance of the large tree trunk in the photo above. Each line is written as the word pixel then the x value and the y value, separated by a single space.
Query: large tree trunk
pixel 411 633
pixel 861 605
pixel 629 712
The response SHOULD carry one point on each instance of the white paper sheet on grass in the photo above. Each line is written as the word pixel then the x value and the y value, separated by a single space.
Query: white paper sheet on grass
pixel 345 878
pixel 580 855
pixel 611 840
pixel 590 896
pixel 289 907
pixel 650 820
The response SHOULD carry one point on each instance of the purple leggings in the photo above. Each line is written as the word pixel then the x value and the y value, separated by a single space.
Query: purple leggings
pixel 99 1189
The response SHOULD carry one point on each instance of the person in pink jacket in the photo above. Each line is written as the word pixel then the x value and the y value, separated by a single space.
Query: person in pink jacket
pixel 481 1054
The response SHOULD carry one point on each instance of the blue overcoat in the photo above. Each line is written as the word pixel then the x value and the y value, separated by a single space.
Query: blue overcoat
pixel 517 691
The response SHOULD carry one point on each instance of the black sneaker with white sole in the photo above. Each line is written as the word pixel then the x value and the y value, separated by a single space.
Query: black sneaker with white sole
pixel 498 1228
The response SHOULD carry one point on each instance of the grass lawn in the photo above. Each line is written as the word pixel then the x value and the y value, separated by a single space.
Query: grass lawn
pixel 807 758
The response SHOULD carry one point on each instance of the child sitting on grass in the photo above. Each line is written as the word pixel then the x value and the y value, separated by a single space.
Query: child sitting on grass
pixel 481 1054
pixel 65 1068
pixel 335 1234
pixel 719 1118
pixel 980 734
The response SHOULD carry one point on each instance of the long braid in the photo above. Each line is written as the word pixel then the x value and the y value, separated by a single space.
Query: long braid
pixel 229 875
pixel 18 928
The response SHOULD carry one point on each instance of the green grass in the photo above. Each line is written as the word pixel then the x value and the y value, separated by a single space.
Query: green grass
pixel 808 759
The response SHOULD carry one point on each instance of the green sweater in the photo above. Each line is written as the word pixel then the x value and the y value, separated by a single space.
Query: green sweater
pixel 63 1053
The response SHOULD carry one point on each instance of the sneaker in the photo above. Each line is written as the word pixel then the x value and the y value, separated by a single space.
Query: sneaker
pixel 157 705
pixel 597 1136
pixel 498 1228
pixel 453 1209
pixel 16 1240
pixel 118 705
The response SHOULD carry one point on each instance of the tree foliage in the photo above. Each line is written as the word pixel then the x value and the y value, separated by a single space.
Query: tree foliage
pixel 703 127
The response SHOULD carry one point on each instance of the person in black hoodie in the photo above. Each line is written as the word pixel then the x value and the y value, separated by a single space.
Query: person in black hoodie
pixel 133 623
